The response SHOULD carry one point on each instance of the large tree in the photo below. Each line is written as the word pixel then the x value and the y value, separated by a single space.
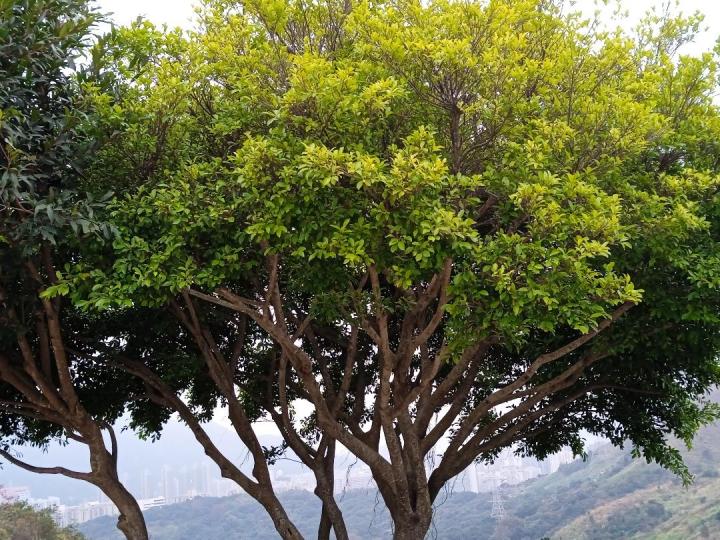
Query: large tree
pixel 49 361
pixel 450 227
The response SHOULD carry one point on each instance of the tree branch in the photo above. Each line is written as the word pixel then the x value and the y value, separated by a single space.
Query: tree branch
pixel 88 477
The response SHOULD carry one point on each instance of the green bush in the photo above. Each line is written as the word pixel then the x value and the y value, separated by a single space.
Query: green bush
pixel 20 521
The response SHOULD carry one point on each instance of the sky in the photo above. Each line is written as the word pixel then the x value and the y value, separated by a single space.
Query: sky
pixel 180 13
pixel 170 12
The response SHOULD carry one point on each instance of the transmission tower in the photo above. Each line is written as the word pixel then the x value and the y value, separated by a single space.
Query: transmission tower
pixel 498 508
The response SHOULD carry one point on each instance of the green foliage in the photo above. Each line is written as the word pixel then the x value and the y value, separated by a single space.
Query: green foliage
pixel 563 169
pixel 49 206
pixel 316 185
pixel 42 150
pixel 21 522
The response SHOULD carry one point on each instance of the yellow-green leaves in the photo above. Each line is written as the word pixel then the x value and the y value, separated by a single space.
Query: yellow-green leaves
pixel 551 162
pixel 325 203
pixel 570 209
pixel 343 103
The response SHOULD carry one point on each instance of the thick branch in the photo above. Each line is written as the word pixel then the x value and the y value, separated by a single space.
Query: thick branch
pixel 88 477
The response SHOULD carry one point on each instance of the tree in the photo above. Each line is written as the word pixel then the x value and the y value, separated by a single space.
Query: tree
pixel 445 225
pixel 46 390
pixel 21 522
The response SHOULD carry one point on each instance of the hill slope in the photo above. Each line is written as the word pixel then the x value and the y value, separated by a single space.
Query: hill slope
pixel 636 500
pixel 235 518
pixel 609 496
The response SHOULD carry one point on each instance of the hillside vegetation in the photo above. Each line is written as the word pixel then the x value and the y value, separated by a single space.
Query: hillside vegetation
pixel 634 500
pixel 21 522
pixel 609 496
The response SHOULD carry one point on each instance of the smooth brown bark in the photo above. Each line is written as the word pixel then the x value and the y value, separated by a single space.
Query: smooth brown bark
pixel 261 490
pixel 410 384
pixel 43 378
pixel 131 520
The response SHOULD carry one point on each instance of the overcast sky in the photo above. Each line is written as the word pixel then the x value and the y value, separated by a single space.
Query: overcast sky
pixel 171 12
pixel 180 13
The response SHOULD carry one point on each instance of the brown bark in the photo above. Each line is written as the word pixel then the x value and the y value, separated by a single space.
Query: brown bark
pixel 331 517
pixel 410 384
pixel 131 520
pixel 260 490
pixel 411 527
pixel 44 380
pixel 321 460
pixel 103 474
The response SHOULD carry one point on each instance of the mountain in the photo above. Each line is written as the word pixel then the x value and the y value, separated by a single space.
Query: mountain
pixel 612 496
pixel 609 496
pixel 239 517
pixel 630 499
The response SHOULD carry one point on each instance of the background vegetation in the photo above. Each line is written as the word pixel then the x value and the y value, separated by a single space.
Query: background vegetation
pixel 21 522
pixel 608 497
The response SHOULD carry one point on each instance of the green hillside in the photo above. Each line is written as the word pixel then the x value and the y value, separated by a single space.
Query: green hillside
pixel 635 500
pixel 609 496
pixel 612 496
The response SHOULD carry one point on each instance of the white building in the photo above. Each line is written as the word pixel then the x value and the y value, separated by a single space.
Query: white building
pixel 12 494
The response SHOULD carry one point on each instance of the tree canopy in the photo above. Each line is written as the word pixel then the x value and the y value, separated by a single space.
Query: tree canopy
pixel 450 227
pixel 49 383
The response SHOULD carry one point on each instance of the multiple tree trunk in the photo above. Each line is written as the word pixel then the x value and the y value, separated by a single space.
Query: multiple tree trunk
pixel 417 397
pixel 39 370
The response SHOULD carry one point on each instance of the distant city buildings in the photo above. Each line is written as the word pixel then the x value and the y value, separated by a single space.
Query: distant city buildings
pixel 172 485
pixel 509 469
pixel 13 493
pixel 72 515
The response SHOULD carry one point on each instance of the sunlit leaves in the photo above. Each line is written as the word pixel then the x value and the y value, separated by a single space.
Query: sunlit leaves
pixel 563 169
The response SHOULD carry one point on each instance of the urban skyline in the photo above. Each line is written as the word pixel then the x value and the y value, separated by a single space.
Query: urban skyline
pixel 172 485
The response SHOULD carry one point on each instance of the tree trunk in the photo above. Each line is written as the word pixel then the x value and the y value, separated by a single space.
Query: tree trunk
pixel 285 528
pixel 411 528
pixel 131 521
pixel 410 524
pixel 331 517
pixel 325 526
pixel 105 476
pixel 411 519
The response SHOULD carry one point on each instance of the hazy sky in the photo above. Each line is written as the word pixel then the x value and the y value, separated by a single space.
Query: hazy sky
pixel 180 12
pixel 171 12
